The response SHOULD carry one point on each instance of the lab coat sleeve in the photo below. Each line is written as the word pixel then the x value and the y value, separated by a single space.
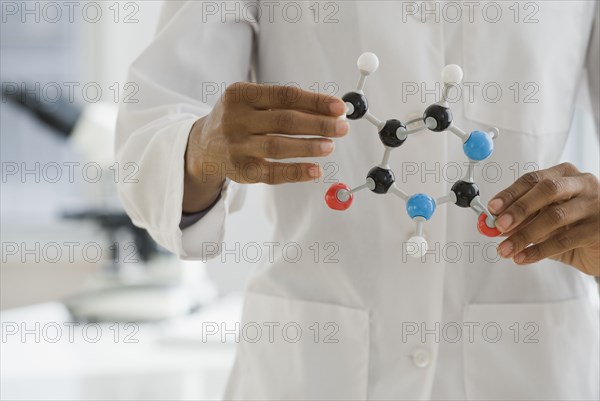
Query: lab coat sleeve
pixel 593 68
pixel 177 76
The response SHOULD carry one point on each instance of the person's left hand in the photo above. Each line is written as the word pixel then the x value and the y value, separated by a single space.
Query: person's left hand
pixel 553 213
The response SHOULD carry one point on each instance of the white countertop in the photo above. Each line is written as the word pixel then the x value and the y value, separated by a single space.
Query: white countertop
pixel 166 360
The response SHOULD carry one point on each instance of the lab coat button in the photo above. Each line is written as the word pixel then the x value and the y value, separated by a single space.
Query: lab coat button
pixel 421 357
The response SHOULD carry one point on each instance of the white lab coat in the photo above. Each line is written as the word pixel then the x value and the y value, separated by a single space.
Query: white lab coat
pixel 375 297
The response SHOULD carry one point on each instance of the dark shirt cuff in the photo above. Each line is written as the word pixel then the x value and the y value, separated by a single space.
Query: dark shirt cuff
pixel 189 219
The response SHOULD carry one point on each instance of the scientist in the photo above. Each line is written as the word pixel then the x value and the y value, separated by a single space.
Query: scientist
pixel 352 317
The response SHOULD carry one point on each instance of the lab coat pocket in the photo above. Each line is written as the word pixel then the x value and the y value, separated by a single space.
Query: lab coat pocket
pixel 295 349
pixel 522 63
pixel 533 351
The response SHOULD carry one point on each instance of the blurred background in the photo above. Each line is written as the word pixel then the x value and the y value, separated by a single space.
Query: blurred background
pixel 91 308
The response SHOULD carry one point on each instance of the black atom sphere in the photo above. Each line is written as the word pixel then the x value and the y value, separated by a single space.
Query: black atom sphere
pixel 442 116
pixel 383 178
pixel 359 101
pixel 465 192
pixel 388 133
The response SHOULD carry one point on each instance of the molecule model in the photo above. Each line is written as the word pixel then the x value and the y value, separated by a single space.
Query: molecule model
pixel 477 146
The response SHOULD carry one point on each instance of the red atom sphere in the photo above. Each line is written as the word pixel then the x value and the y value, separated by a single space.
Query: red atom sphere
pixel 332 200
pixel 484 228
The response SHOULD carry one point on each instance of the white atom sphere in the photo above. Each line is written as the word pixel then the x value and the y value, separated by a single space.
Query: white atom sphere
pixel 416 246
pixel 452 74
pixel 368 63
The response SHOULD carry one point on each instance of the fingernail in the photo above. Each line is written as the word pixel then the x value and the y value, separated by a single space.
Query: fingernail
pixel 505 249
pixel 504 222
pixel 327 147
pixel 337 108
pixel 495 205
pixel 314 171
pixel 520 257
pixel 341 127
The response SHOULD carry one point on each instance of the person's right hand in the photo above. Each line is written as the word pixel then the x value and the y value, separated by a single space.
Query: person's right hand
pixel 251 126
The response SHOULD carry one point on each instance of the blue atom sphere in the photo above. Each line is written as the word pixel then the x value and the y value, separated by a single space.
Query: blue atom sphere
pixel 479 146
pixel 420 205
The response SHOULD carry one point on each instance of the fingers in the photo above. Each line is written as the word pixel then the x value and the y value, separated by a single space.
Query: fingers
pixel 273 173
pixel 289 97
pixel 267 97
pixel 527 181
pixel 281 147
pixel 546 192
pixel 549 220
pixel 564 240
pixel 532 192
pixel 519 227
pixel 293 122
